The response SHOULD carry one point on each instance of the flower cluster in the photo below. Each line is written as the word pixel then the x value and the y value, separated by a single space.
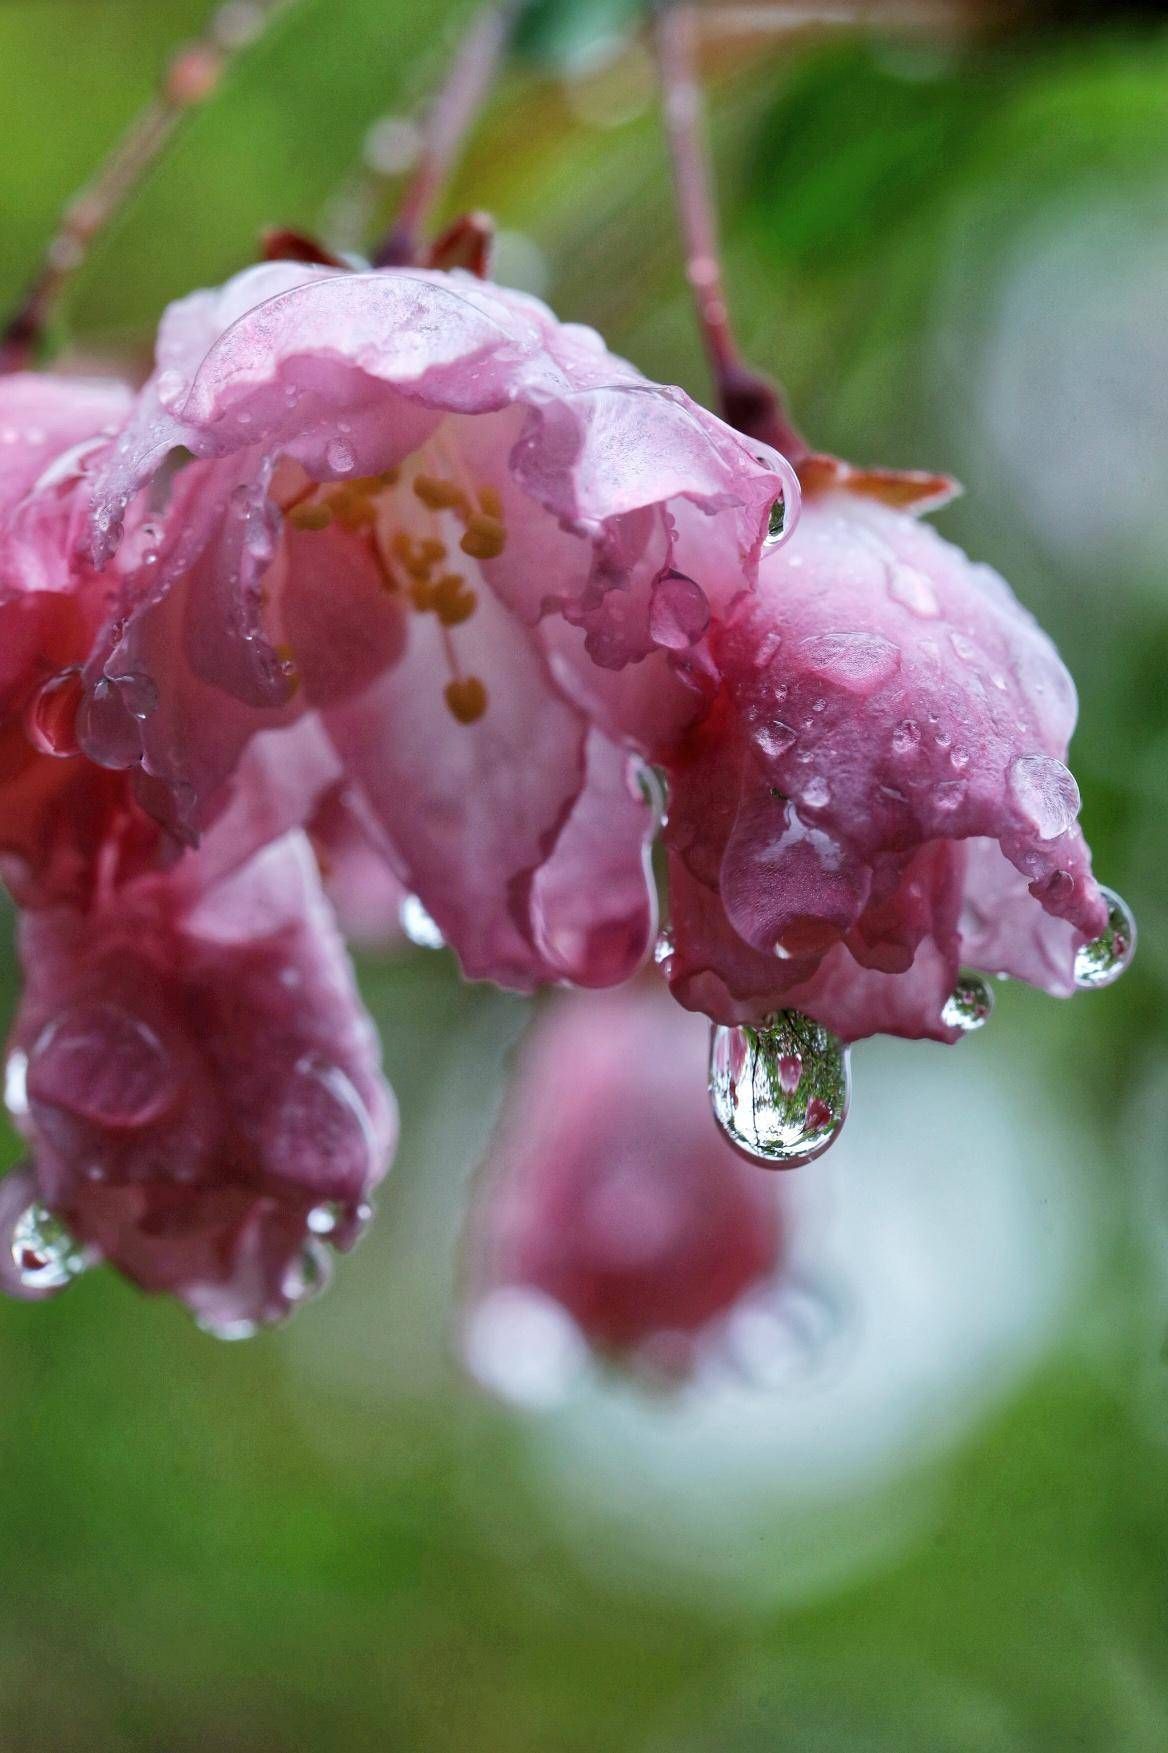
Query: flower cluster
pixel 388 584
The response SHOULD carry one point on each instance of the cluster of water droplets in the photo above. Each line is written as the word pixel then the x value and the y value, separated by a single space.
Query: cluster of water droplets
pixel 780 1092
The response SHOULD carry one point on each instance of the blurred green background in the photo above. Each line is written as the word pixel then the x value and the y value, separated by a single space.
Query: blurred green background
pixel 951 1533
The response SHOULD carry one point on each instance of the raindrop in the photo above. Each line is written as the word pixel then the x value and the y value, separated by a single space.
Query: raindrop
pixel 776 524
pixel 1045 794
pixel 339 457
pixel 663 948
pixel 906 737
pixel 16 1084
pixel 230 1331
pixel 324 1219
pixel 817 793
pixel 308 1276
pixel 780 1092
pixel 44 1253
pixel 772 740
pixel 969 1006
pixel 1106 957
pixel 170 386
pixel 418 925
pixel 50 718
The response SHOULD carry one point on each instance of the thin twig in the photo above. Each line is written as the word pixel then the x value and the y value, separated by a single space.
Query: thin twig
pixel 450 118
pixel 748 401
pixel 193 74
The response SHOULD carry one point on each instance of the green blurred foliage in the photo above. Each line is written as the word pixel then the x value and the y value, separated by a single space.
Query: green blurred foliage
pixel 323 1539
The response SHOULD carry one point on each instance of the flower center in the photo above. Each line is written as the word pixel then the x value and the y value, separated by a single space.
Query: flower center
pixel 426 527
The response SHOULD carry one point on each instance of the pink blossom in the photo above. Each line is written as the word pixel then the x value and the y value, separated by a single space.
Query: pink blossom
pixel 610 1190
pixel 467 540
pixel 55 809
pixel 200 1085
pixel 877 794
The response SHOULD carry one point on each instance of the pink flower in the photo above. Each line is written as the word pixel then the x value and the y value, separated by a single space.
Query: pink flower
pixel 878 793
pixel 199 1087
pixel 610 1191
pixel 55 809
pixel 464 538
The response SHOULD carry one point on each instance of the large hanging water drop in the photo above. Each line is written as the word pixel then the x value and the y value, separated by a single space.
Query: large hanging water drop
pixel 44 1253
pixel 780 1093
pixel 1106 957
pixel 776 524
pixel 969 1006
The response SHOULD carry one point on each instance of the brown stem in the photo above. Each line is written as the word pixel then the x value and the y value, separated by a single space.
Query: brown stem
pixel 193 74
pixel 747 400
pixel 450 118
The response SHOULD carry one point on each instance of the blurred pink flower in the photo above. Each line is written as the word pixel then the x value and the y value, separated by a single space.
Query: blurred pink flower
pixel 609 1190
pixel 877 794
pixel 464 538
pixel 199 1087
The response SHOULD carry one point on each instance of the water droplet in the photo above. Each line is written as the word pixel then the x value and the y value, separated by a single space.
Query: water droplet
pixel 780 1092
pixel 1045 794
pixel 912 590
pixel 339 457
pixel 817 793
pixel 679 612
pixel 44 1253
pixel 663 948
pixel 230 1331
pixel 653 786
pixel 776 524
pixel 1106 957
pixel 308 1276
pixel 170 387
pixel 859 662
pixel 906 737
pixel 418 925
pixel 773 740
pixel 50 718
pixel 319 1131
pixel 949 795
pixel 139 695
pixel 969 1006
pixel 104 1065
pixel 16 1084
pixel 324 1219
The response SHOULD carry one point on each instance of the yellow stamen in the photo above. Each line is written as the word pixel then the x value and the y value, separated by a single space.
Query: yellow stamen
pixel 353 510
pixel 491 502
pixel 441 495
pixel 453 602
pixel 310 516
pixel 467 699
pixel 485 537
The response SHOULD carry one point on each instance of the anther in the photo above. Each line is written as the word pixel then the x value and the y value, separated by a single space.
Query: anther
pixel 467 698
pixel 485 537
pixel 310 516
pixel 441 495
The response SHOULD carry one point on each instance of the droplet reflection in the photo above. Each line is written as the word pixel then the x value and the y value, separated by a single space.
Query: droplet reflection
pixel 780 1093
pixel 1106 957
pixel 44 1253
pixel 969 1006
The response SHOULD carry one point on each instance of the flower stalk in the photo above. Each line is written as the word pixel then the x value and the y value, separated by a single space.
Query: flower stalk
pixel 451 117
pixel 193 75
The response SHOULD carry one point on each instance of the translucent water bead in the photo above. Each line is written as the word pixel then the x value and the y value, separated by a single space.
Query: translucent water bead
pixel 969 1006
pixel 780 1092
pixel 1109 955
pixel 44 1253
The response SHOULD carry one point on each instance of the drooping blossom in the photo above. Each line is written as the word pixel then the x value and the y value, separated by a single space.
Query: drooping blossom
pixel 199 1087
pixel 461 539
pixel 58 813
pixel 877 794
pixel 609 1199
